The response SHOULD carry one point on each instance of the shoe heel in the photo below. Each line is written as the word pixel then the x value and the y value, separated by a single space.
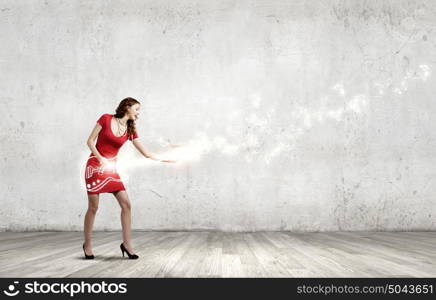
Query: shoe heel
pixel 86 255
pixel 131 256
pixel 122 250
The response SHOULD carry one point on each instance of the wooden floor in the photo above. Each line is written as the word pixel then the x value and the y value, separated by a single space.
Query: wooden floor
pixel 219 254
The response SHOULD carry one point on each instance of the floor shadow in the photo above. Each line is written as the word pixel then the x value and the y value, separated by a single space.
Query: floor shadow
pixel 104 258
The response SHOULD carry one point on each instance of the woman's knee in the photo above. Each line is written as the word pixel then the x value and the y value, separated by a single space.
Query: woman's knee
pixel 93 201
pixel 125 205
pixel 123 200
pixel 93 209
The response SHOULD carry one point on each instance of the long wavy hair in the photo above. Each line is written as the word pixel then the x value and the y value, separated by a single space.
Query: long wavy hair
pixel 121 111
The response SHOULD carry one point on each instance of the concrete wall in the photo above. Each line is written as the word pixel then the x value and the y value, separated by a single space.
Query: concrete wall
pixel 295 115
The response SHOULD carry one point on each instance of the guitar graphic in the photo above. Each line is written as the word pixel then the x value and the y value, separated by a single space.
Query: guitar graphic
pixel 97 184
pixel 109 167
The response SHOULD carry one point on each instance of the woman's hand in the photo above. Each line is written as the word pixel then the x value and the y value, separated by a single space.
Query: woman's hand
pixel 103 161
pixel 168 160
pixel 160 160
pixel 171 160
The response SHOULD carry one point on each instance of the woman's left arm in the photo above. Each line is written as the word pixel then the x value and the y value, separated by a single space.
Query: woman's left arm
pixel 141 149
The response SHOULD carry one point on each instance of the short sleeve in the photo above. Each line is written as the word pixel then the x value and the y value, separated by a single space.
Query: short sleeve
pixel 102 120
pixel 134 135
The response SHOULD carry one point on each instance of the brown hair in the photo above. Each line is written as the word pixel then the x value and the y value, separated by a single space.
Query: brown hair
pixel 121 111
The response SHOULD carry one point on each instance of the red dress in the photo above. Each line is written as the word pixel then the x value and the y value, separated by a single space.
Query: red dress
pixel 100 179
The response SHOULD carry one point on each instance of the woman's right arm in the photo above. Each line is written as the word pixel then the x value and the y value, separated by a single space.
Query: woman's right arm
pixel 91 141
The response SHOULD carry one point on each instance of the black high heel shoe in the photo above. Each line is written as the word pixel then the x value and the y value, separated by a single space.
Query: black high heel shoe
pixel 86 255
pixel 131 256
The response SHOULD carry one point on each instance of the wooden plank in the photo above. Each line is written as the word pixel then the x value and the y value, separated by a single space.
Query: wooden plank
pixel 221 254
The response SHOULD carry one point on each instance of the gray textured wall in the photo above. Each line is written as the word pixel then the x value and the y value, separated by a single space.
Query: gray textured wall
pixel 296 115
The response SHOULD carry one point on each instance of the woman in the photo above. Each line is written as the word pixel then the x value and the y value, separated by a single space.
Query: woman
pixel 101 176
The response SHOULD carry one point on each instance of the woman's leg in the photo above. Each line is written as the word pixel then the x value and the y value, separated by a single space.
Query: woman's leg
pixel 126 218
pixel 89 221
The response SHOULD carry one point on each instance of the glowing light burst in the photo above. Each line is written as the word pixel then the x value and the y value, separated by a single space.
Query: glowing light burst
pixel 339 87
pixel 425 72
pixel 422 72
pixel 109 166
pixel 199 146
pixel 190 152
pixel 306 118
